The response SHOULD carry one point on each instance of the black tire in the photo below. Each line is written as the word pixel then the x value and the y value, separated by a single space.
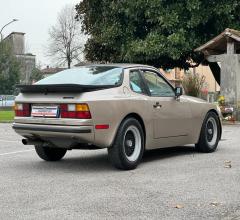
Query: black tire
pixel 210 134
pixel 128 147
pixel 49 153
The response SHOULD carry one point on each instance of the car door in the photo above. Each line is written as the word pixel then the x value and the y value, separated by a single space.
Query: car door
pixel 171 116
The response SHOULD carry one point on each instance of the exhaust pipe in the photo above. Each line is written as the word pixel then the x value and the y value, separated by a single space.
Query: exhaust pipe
pixel 31 142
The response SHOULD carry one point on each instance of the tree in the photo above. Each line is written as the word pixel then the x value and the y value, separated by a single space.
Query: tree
pixel 66 40
pixel 9 70
pixel 36 75
pixel 162 33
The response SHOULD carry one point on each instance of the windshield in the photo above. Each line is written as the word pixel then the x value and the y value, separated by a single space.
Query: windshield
pixel 91 75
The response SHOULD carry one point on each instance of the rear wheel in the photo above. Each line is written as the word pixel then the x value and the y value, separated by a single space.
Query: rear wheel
pixel 128 147
pixel 49 153
pixel 210 134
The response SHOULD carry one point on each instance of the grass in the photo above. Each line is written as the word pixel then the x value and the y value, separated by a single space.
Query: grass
pixel 6 116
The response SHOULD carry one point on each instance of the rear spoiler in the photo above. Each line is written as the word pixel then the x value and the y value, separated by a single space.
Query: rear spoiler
pixel 73 88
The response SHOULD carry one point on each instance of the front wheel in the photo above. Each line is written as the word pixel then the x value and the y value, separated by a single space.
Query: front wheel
pixel 128 147
pixel 50 153
pixel 210 134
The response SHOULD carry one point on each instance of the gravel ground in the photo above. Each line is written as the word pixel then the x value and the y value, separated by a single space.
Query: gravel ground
pixel 175 183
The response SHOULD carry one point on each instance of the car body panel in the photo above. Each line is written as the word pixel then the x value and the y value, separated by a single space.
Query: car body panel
pixel 177 122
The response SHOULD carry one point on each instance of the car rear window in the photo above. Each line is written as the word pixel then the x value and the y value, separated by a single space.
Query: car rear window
pixel 92 75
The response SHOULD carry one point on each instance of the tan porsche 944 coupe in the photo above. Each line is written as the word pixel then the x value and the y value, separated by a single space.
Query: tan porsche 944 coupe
pixel 126 108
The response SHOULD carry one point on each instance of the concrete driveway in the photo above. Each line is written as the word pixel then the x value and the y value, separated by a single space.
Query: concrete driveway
pixel 176 183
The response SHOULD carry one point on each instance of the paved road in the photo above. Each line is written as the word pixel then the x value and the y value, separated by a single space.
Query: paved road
pixel 85 186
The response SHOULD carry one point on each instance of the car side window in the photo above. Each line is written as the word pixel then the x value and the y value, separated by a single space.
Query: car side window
pixel 157 85
pixel 136 83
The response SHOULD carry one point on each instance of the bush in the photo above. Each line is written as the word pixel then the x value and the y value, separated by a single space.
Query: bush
pixel 193 84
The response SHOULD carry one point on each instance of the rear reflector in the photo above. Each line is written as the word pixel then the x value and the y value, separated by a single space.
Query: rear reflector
pixel 80 111
pixel 22 110
pixel 101 126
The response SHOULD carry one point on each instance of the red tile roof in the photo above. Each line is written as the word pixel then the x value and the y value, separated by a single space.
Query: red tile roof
pixel 51 70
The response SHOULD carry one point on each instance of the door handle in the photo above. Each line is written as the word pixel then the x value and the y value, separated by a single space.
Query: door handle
pixel 157 105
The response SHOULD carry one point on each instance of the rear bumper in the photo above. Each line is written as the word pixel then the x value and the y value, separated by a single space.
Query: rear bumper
pixel 53 128
pixel 65 136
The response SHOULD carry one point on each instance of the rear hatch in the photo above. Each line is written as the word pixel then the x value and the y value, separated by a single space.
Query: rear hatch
pixel 51 101
pixel 63 95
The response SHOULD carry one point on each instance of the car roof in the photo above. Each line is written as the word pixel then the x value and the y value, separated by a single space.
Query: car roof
pixel 122 65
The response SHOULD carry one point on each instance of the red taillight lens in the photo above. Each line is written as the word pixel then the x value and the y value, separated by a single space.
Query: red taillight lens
pixel 84 114
pixel 64 108
pixel 22 110
pixel 80 111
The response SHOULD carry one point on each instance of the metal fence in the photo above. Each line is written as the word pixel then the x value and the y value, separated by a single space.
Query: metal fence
pixel 7 100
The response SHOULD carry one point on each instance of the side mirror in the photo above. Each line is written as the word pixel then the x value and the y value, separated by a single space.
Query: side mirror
pixel 178 91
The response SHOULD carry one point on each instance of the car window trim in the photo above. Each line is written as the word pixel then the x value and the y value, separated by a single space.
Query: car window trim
pixel 159 75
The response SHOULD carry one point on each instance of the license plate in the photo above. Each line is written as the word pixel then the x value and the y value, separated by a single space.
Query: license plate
pixel 45 111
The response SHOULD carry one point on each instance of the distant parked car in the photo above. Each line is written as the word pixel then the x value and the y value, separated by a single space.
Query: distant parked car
pixel 122 107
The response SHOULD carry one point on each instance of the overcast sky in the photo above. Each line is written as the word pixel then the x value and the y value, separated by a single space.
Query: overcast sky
pixel 35 19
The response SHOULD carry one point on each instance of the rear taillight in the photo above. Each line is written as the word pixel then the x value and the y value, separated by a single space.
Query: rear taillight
pixel 22 109
pixel 80 111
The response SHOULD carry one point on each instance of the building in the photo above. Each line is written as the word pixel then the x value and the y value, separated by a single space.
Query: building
pixel 27 60
pixel 48 71
pixel 176 75
pixel 224 50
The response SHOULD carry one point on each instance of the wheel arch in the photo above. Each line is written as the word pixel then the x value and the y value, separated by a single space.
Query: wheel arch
pixel 139 119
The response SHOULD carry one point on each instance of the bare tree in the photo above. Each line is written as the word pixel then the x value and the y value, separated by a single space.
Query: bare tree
pixel 66 39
